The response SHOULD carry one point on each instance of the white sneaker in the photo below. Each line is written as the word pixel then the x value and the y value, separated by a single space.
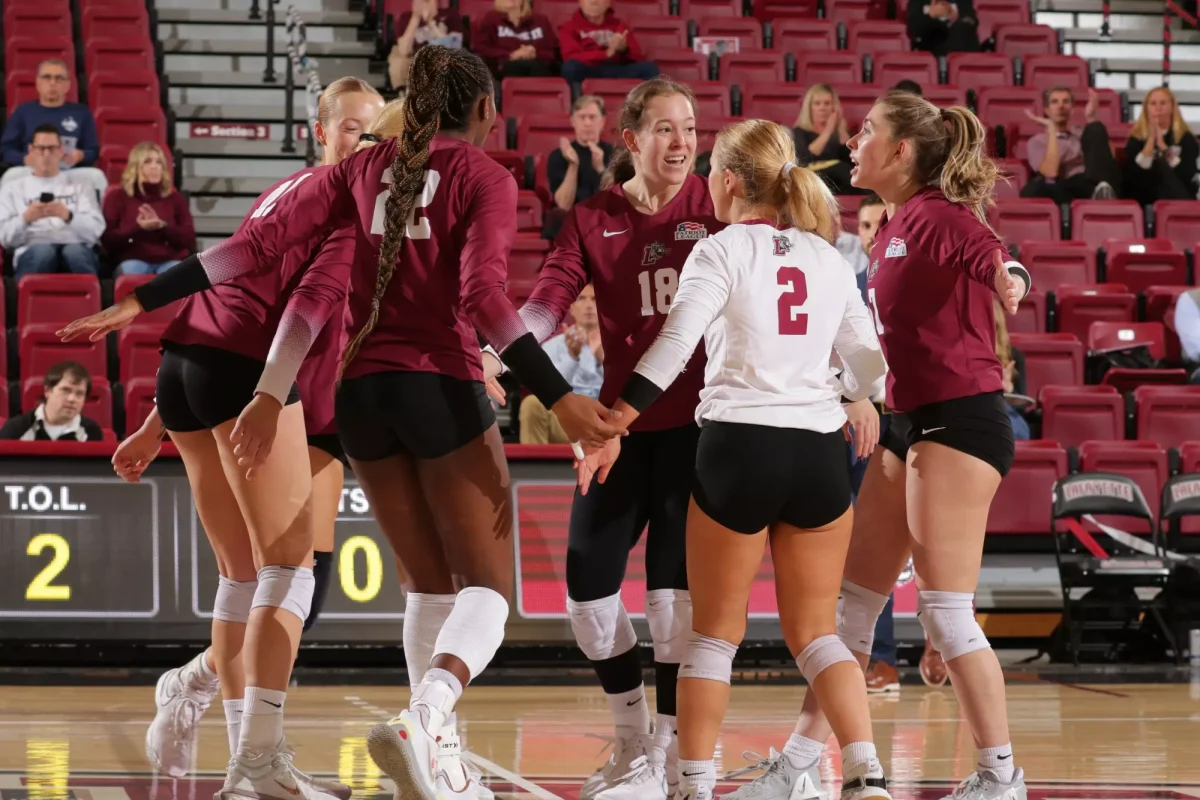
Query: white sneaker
pixel 328 785
pixel 781 780
pixel 646 778
pixel 171 737
pixel 696 793
pixel 268 776
pixel 464 778
pixel 865 782
pixel 984 785
pixel 407 752
pixel 619 764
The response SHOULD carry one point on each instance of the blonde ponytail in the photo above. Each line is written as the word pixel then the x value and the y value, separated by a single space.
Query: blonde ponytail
pixel 387 124
pixel 811 206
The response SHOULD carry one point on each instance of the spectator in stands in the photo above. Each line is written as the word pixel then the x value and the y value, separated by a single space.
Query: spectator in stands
pixel 514 41
pixel 821 134
pixel 1186 323
pixel 595 44
pixel 855 247
pixel 1160 157
pixel 59 417
pixel 912 87
pixel 426 23
pixel 1012 361
pixel 1070 163
pixel 575 168
pixel 51 221
pixel 73 121
pixel 149 225
pixel 579 356
pixel 943 27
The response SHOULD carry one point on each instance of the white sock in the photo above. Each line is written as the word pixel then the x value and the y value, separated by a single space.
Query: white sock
pixel 801 750
pixel 424 615
pixel 197 673
pixel 664 736
pixel 998 760
pixel 697 775
pixel 858 754
pixel 630 712
pixel 233 724
pixel 262 719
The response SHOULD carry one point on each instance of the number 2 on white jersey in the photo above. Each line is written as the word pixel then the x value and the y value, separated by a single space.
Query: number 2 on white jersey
pixel 874 312
pixel 658 290
pixel 417 228
pixel 268 205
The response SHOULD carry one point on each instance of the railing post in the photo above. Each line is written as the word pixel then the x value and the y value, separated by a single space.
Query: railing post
pixel 1105 24
pixel 255 11
pixel 269 72
pixel 1166 64
pixel 289 109
pixel 310 147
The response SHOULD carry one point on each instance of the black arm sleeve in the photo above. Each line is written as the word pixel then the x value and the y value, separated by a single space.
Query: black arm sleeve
pixel 185 278
pixel 640 392
pixel 533 367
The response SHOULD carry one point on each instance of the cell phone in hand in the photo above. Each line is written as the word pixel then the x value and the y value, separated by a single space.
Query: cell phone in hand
pixel 47 197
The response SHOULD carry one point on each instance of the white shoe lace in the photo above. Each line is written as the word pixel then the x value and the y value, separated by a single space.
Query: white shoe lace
pixel 760 764
pixel 641 771
pixel 973 783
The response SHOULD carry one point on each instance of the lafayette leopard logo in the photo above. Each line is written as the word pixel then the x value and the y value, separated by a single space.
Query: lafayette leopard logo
pixel 871 270
pixel 690 232
pixel 653 254
pixel 783 245
pixel 896 249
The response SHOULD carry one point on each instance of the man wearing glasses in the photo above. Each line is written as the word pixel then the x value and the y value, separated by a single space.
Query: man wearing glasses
pixel 74 122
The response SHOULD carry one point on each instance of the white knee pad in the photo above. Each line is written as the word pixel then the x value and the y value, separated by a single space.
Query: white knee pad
pixel 601 627
pixel 949 621
pixel 669 613
pixel 424 616
pixel 474 630
pixel 821 654
pixel 708 659
pixel 858 610
pixel 289 588
pixel 234 600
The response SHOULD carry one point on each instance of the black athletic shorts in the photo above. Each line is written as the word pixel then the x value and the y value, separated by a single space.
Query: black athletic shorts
pixel 750 476
pixel 199 387
pixel 330 443
pixel 977 425
pixel 423 413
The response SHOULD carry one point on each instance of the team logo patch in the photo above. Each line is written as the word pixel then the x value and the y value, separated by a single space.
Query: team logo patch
pixel 896 249
pixel 783 245
pixel 690 232
pixel 653 254
pixel 871 270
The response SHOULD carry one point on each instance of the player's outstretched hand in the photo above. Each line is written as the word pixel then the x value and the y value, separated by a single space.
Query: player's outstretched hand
pixel 1009 289
pixel 97 326
pixel 597 462
pixel 254 432
pixel 863 421
pixel 134 454
pixel 586 421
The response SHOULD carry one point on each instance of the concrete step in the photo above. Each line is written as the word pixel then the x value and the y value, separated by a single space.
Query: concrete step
pixel 272 169
pixel 246 47
pixel 243 187
pixel 215 16
pixel 217 226
pixel 215 33
pixel 254 63
pixel 267 99
pixel 220 206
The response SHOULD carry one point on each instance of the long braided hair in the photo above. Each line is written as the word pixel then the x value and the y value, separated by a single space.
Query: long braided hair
pixel 444 85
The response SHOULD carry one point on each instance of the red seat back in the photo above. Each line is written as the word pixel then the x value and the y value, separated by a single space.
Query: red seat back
pixel 1160 301
pixel 1026 40
pixel 1093 221
pixel 1022 503
pixel 1031 314
pixel 529 211
pixel 1053 264
pixel 980 69
pixel 1080 306
pixel 795 35
pixel 56 299
pixel 701 9
pixel 1048 71
pixel 539 133
pixel 519 96
pixel 1177 221
pixel 892 67
pixel 1050 359
pixel 40 349
pixel 156 319
pixel 655 33
pixel 827 67
pixel 1071 417
pixel 140 353
pixel 682 64
pixel 1142 263
pixel 1169 415
pixel 746 30
pixel 744 68
pixel 776 101
pixel 139 402
pixel 24 53
pixel 1115 335
pixel 873 36
pixel 1144 462
pixel 1021 220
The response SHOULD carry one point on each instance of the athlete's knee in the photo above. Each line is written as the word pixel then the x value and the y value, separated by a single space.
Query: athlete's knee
pixel 857 612
pixel 322 574
pixel 289 588
pixel 474 629
pixel 234 600
pixel 601 627
pixel 669 614
pixel 949 621
pixel 822 653
pixel 708 658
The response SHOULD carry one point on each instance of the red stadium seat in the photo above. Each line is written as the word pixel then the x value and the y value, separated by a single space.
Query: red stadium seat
pixel 655 33
pixel 1169 415
pixel 712 99
pixel 945 96
pixel 129 126
pixel 520 96
pixel 497 137
pixel 1021 220
pixel 1045 72
pixel 525 260
pixel 1189 457
pixel 24 53
pixel 980 69
pixel 747 30
pixel 848 10
pixel 1108 111
pixel 1027 40
pixel 682 65
pixel 1080 306
pixel 529 211
pixel 1118 335
pixel 34 27
pixel 512 162
pixel 701 9
pixel 1093 221
pixel 139 351
pixel 1053 264
pixel 1127 379
pixel 56 299
pixel 828 67
pixel 15 14
pixel 1050 359
pixel 98 406
pixel 778 102
pixel 1142 263
pixel 796 35
pixel 1071 416
pixel 139 402
pixel 1017 173
pixel 1005 105
pixel 40 349
pixel 1160 302
pixel 1022 503
pixel 123 21
pixel 118 54
pixel 994 13
pixel 744 68
pixel 1144 462
pixel 768 10
pixel 21 87
pixel 540 133
pixel 474 8
pixel 707 129
pixel 131 88
pixel 892 67
pixel 1031 314
pixel 873 36
pixel 156 319
pixel 640 7
pixel 1177 221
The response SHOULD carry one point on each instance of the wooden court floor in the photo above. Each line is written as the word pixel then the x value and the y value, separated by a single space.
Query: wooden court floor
pixel 1111 742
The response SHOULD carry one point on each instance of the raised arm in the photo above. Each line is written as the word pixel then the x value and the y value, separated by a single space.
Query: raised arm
pixel 960 241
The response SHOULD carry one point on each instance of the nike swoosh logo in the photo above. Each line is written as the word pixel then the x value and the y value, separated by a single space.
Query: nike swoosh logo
pixel 289 789
pixel 925 431
pixel 277 705
pixel 692 774
pixel 634 702
pixel 1004 758
pixel 607 234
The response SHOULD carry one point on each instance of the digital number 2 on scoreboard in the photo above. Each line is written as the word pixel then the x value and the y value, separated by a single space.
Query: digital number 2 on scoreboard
pixel 41 499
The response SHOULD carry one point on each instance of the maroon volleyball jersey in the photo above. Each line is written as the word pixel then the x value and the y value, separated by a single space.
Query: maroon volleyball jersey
pixel 317 378
pixel 930 286
pixel 633 261
pixel 450 275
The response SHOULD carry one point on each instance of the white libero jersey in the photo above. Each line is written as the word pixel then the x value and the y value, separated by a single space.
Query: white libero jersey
pixel 773 307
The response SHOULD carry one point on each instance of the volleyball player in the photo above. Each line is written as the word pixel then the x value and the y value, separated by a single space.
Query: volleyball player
pixel 630 241
pixel 934 268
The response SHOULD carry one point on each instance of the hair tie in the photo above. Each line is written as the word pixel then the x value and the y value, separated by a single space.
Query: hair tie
pixel 788 166
pixel 369 137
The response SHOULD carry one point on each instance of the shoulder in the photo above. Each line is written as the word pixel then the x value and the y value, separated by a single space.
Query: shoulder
pixel 484 170
pixel 14 427
pixel 491 19
pixel 77 108
pixel 94 431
